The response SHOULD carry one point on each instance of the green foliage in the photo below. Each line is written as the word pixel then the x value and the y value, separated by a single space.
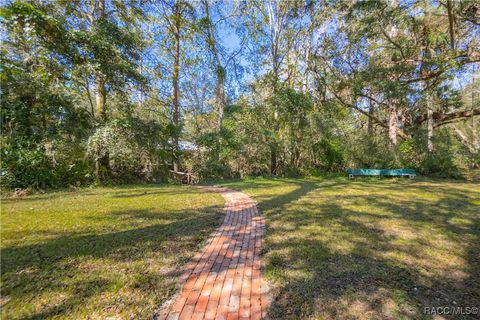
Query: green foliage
pixel 44 165
pixel 370 151
pixel 87 89
pixel 411 154
pixel 50 55
pixel 42 127
pixel 27 167
pixel 446 160
pixel 218 152
pixel 331 154
pixel 136 149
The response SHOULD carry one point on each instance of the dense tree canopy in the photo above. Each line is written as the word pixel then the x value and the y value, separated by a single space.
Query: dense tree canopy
pixel 106 90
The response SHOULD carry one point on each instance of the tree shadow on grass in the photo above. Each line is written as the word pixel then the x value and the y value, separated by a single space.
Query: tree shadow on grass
pixel 40 268
pixel 164 191
pixel 115 192
pixel 80 292
pixel 277 202
pixel 377 275
pixel 102 245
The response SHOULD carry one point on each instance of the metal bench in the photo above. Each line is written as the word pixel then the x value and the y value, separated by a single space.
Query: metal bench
pixel 382 172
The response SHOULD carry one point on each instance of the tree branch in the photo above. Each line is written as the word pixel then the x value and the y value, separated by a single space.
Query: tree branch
pixel 445 118
pixel 400 132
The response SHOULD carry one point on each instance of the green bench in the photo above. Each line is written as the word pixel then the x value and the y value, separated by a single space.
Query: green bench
pixel 382 172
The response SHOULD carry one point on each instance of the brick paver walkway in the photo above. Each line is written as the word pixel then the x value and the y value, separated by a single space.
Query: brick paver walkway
pixel 224 280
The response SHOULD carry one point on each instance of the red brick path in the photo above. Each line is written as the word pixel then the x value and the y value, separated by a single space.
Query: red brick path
pixel 224 280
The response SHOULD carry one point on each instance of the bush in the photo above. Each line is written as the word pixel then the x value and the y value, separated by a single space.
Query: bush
pixel 27 167
pixel 370 151
pixel 38 167
pixel 137 150
pixel 445 162
pixel 411 156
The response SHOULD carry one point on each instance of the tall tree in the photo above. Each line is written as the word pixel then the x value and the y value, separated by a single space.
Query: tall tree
pixel 176 29
pixel 280 30
pixel 393 101
pixel 177 19
pixel 219 69
pixel 368 25
pixel 426 56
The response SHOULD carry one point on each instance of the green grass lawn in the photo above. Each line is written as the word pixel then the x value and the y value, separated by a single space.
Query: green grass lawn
pixel 98 253
pixel 361 249
pixel 369 248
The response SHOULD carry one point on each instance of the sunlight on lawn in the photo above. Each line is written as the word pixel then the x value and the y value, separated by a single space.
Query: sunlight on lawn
pixel 369 248
pixel 100 252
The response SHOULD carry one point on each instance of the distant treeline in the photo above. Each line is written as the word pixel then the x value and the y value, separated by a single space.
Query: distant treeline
pixel 98 91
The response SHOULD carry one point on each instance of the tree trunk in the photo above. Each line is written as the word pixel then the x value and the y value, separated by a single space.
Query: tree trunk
pixel 273 159
pixel 275 29
pixel 274 143
pixel 175 84
pixel 451 23
pixel 295 157
pixel 369 118
pixel 424 72
pixel 100 97
pixel 307 64
pixel 219 71
pixel 392 122
pixel 102 167
pixel 220 96
pixel 392 110
pixel 429 126
pixel 472 142
pixel 102 162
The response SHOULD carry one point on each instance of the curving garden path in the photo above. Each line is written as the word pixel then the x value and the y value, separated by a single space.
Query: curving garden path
pixel 224 280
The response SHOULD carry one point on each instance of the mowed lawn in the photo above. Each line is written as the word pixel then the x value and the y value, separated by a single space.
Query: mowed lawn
pixel 100 253
pixel 369 248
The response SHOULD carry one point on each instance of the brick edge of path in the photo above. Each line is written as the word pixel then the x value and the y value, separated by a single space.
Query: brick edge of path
pixel 224 280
